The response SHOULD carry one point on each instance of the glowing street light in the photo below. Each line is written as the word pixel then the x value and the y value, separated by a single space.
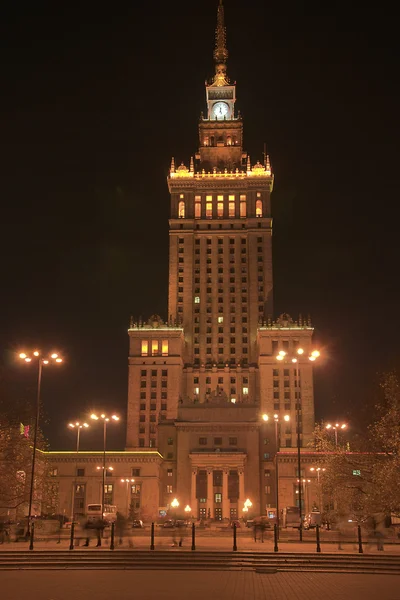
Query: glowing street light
pixel 128 482
pixel 78 426
pixel 174 503
pixel 336 427
pixel 312 357
pixel 286 418
pixel 41 360
pixel 105 420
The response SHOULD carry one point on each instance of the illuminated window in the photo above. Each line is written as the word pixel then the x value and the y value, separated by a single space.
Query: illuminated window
pixel 164 347
pixel 243 207
pixel 231 206
pixel 145 348
pixel 154 347
pixel 229 141
pixel 197 299
pixel 245 391
pixel 220 319
pixel 206 141
pixel 197 207
pixel 258 208
pixel 181 196
pixel 169 489
pixel 181 210
pixel 208 207
pixel 196 391
pixel 220 206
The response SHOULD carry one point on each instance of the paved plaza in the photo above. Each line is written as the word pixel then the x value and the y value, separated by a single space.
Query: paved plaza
pixel 196 585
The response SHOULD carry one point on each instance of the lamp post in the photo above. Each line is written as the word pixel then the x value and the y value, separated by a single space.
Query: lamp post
pixel 282 356
pixel 105 421
pixel 128 483
pixel 174 505
pixel 318 470
pixel 188 510
pixel 286 418
pixel 41 360
pixel 78 426
pixel 336 427
pixel 305 482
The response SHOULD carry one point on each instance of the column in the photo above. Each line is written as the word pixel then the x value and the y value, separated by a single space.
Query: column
pixel 241 492
pixel 210 499
pixel 193 496
pixel 226 505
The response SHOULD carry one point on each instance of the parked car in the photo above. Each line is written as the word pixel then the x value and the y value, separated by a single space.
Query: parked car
pixel 137 523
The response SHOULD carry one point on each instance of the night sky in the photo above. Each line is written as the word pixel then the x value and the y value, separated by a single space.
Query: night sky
pixel 95 102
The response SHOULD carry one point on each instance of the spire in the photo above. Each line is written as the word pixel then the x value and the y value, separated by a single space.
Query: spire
pixel 172 170
pixel 220 52
pixel 191 164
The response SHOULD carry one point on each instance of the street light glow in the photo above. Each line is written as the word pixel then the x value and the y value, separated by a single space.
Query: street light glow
pixel 282 353
pixel 265 418
pixel 36 353
pixel 175 503
pixel 22 355
pixel 300 351
pixel 279 357
pixel 286 418
pixel 315 353
pixel 28 359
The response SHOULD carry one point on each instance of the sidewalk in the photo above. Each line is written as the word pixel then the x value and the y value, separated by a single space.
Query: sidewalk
pixel 224 544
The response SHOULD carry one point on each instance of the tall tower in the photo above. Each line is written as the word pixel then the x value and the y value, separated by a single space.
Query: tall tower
pixel 200 380
pixel 220 285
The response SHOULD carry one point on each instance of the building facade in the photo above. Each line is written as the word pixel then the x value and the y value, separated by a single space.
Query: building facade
pixel 201 380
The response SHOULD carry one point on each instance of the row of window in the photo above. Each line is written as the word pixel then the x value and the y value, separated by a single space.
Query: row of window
pixel 286 372
pixel 219 208
pixel 152 406
pixel 154 372
pixel 217 441
pixel 221 260
pixel 220 241
pixel 156 347
pixel 80 472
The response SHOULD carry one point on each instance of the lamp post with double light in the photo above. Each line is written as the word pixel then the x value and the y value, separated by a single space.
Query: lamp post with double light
pixel 128 488
pixel 306 483
pixel 106 420
pixel 286 418
pixel 318 471
pixel 42 360
pixel 336 427
pixel 312 357
pixel 76 426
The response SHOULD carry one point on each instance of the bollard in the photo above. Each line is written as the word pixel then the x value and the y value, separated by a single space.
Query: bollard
pixel 301 531
pixel 317 535
pixel 234 538
pixel 152 537
pixel 275 537
pixel 360 546
pixel 71 542
pixel 193 536
pixel 112 536
pixel 32 533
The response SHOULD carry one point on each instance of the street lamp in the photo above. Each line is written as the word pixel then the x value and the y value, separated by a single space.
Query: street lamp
pixel 105 421
pixel 282 356
pixel 78 426
pixel 318 471
pixel 305 483
pixel 188 510
pixel 336 427
pixel 41 360
pixel 175 504
pixel 128 483
pixel 286 418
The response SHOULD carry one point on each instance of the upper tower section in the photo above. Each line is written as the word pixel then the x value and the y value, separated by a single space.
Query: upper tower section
pixel 221 132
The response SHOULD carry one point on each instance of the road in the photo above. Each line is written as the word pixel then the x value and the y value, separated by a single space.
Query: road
pixel 196 585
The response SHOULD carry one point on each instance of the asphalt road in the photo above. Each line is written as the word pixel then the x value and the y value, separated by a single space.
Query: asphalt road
pixel 196 585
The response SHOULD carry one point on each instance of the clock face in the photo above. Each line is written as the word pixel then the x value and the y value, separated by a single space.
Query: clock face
pixel 220 110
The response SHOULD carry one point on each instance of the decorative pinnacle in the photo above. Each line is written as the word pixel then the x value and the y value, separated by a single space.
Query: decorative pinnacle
pixel 220 52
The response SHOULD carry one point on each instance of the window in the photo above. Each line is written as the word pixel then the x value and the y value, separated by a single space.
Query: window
pixel 154 347
pixel 245 391
pixel 218 441
pixel 220 206
pixel 208 207
pixel 231 206
pixel 233 441
pixel 203 441
pixel 243 211
pixel 80 472
pixel 181 210
pixel 169 489
pixel 21 475
pixel 142 407
pixel 108 493
pixel 258 208
pixel 143 373
pixel 197 207
pixel 218 498
pixel 145 348
pixel 267 473
pixel 267 489
pixel 141 443
pixel 169 472
pixel 135 472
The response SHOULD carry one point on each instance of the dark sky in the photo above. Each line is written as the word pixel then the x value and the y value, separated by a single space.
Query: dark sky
pixel 94 103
